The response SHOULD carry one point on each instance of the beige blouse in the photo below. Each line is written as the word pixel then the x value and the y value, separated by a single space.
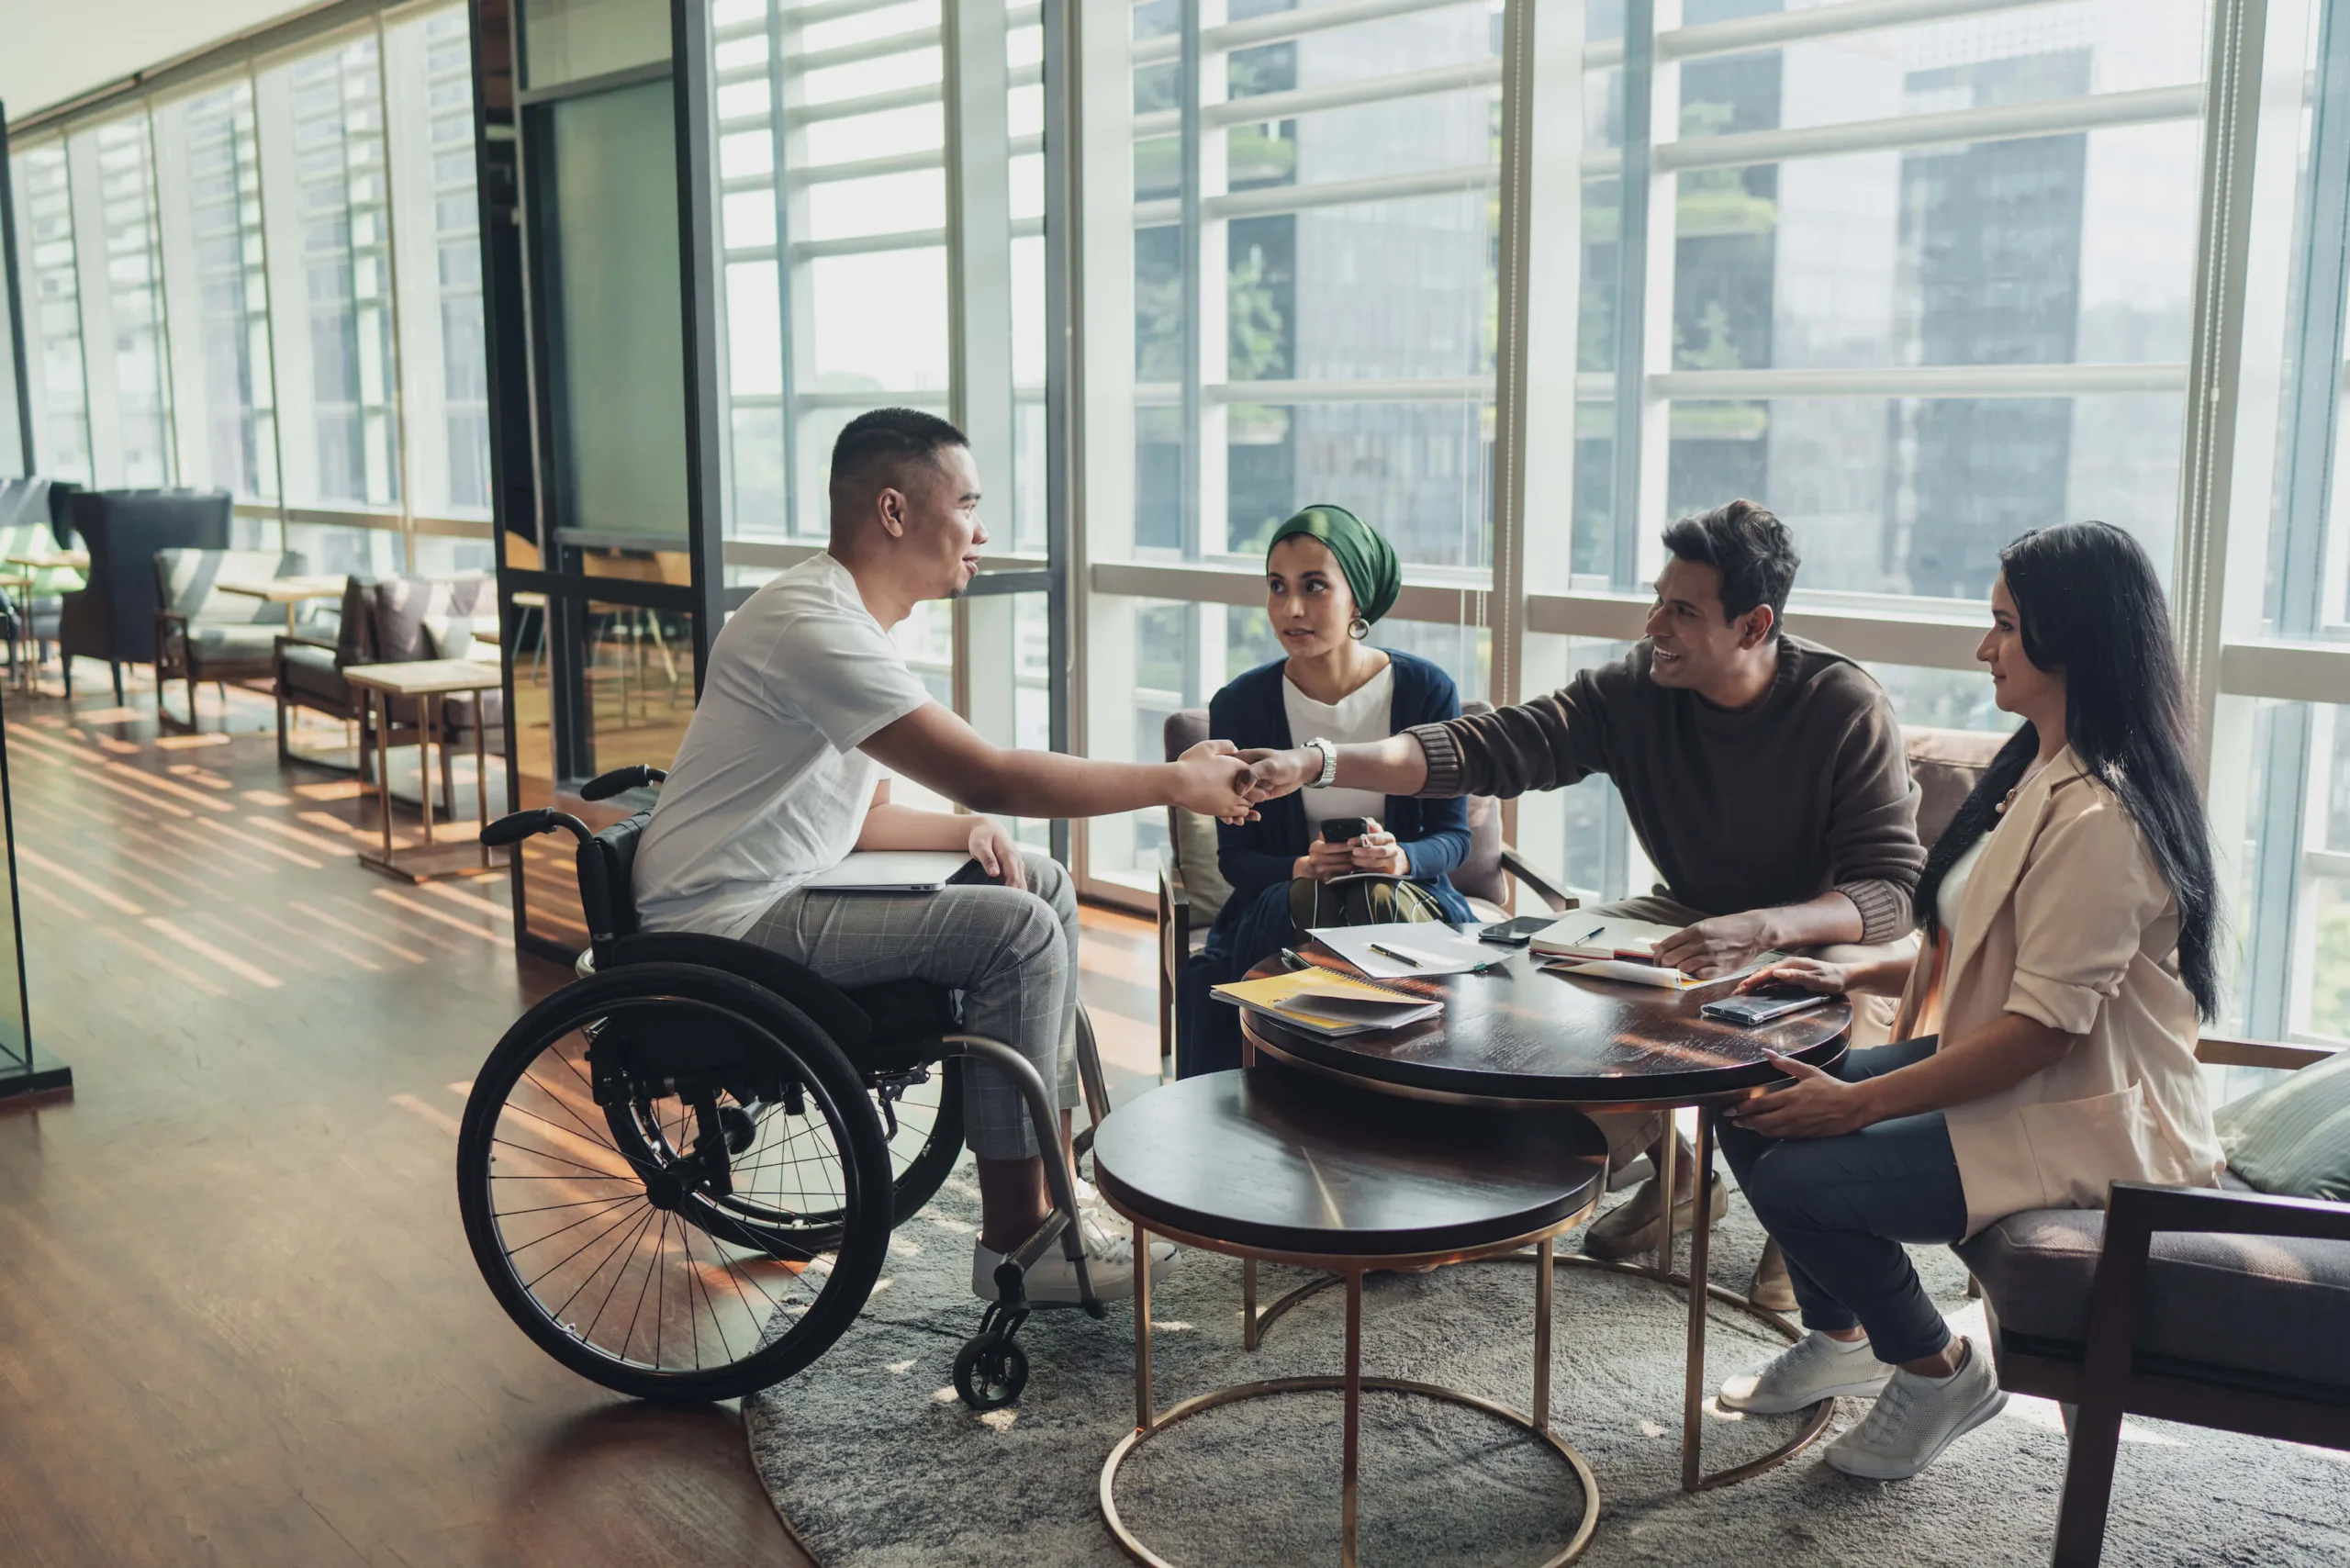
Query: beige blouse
pixel 2066 919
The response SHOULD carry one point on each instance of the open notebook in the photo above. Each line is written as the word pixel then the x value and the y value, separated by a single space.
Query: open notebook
pixel 1328 1005
pixel 1612 947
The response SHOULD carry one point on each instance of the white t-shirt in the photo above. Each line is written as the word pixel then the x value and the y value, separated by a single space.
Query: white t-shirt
pixel 770 789
pixel 1366 713
pixel 1951 894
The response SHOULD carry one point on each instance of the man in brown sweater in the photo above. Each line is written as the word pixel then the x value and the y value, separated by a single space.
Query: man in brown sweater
pixel 1764 776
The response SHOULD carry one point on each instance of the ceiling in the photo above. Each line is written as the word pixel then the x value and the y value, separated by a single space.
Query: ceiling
pixel 58 49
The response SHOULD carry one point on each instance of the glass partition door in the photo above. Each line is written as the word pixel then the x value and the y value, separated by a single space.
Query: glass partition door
pixel 607 569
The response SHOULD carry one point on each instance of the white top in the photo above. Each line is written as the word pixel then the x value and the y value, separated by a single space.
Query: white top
pixel 1953 892
pixel 769 787
pixel 1366 713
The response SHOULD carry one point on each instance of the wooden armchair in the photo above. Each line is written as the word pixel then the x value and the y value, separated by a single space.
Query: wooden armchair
pixel 2220 1308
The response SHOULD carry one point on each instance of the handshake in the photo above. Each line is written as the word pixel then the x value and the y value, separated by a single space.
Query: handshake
pixel 1218 779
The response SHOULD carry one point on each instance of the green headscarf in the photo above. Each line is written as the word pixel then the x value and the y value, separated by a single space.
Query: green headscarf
pixel 1372 573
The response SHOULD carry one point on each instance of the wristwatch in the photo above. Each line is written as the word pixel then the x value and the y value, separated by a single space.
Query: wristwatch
pixel 1330 764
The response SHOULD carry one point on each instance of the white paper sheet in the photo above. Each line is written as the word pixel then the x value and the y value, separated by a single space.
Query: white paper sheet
pixel 1436 949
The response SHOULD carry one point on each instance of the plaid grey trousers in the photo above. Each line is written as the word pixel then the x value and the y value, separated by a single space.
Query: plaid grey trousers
pixel 1012 955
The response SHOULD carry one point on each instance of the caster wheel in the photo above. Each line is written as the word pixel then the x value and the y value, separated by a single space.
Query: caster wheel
pixel 989 1372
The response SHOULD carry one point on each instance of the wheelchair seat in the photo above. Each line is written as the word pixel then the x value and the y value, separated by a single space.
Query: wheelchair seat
pixel 881 1028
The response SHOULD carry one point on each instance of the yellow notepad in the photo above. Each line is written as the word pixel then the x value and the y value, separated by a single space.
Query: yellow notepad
pixel 1327 1004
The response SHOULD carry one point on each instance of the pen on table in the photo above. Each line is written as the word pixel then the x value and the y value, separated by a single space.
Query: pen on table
pixel 1391 953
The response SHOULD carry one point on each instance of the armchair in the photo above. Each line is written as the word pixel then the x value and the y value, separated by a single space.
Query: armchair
pixel 113 618
pixel 388 620
pixel 202 633
pixel 2220 1308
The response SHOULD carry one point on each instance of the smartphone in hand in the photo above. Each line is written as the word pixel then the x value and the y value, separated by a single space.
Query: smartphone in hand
pixel 1339 829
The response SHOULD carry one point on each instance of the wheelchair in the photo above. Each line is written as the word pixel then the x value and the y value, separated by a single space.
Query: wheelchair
pixel 678 1174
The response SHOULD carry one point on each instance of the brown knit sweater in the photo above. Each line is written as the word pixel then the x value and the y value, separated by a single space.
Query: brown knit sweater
pixel 1775 803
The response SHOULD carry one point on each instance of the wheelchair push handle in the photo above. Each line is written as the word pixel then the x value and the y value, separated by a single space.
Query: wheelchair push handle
pixel 636 775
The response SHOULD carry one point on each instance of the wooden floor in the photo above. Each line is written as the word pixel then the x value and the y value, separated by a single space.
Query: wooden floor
pixel 238 1321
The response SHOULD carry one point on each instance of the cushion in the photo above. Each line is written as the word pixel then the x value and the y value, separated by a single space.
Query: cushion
pixel 1203 880
pixel 312 670
pixel 216 645
pixel 1947 765
pixel 2294 1135
pixel 184 579
pixel 354 637
pixel 2266 1305
pixel 463 637
pixel 402 605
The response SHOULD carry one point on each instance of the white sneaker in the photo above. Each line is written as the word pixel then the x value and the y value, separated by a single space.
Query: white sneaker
pixel 1812 1369
pixel 1109 1263
pixel 1916 1418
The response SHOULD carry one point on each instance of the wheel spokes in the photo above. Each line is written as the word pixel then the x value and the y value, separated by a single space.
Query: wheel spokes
pixel 676 1285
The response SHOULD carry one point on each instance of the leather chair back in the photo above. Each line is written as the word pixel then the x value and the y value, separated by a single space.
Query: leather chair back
pixel 1947 765
pixel 114 617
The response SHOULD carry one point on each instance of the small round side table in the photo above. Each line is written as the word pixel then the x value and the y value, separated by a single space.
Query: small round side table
pixel 1272 1166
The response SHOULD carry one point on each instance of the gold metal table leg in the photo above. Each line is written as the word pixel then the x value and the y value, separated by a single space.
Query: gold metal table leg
pixel 1351 1464
pixel 1543 1255
pixel 1693 1386
pixel 1664 1177
pixel 1349 1386
pixel 1142 1333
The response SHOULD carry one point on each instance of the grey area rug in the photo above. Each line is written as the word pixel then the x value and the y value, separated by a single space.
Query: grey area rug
pixel 874 1462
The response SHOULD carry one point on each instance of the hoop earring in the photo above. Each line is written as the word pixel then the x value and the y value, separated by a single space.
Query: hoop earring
pixel 1357 628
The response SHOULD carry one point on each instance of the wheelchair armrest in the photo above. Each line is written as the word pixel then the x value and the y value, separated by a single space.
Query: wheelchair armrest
pixel 826 1005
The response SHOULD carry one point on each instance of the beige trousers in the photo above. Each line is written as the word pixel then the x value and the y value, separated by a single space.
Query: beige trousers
pixel 1631 1134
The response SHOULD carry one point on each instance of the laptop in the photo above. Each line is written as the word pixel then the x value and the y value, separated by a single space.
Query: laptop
pixel 897 871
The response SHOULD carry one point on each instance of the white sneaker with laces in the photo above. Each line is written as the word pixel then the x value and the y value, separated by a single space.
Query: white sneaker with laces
pixel 1916 1418
pixel 1108 1262
pixel 1812 1369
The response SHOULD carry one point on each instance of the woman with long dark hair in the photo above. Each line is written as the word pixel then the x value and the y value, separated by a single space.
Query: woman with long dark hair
pixel 2046 1042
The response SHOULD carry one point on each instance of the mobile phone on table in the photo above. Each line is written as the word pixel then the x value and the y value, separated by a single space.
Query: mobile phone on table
pixel 1763 1004
pixel 1339 829
pixel 1519 932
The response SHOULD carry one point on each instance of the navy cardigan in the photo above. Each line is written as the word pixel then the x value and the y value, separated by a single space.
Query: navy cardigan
pixel 1255 855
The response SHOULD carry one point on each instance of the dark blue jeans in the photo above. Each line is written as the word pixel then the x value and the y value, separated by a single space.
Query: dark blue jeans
pixel 1842 1207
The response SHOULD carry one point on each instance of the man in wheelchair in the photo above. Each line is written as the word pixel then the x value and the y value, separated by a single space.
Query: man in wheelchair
pixel 805 702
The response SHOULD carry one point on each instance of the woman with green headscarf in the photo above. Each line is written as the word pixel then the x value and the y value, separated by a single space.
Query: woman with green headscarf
pixel 1328 576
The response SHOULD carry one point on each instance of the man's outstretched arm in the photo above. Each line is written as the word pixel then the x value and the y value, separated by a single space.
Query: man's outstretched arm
pixel 1395 765
pixel 933 747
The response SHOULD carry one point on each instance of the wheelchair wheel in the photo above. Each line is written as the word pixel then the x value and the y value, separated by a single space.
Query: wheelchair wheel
pixel 794 1204
pixel 990 1371
pixel 609 1141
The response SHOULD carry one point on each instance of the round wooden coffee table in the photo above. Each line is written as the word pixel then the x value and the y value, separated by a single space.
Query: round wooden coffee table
pixel 1526 1037
pixel 1264 1164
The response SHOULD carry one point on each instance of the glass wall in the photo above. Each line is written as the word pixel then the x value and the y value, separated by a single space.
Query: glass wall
pixel 267 279
pixel 1916 277
pixel 873 254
